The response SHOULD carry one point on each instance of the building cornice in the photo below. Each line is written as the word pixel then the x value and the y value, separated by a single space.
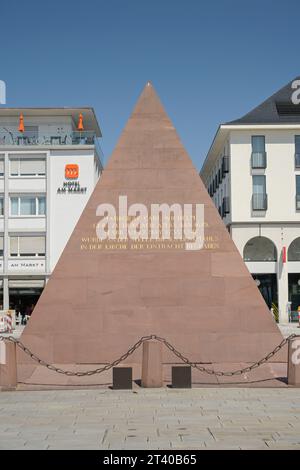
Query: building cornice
pixel 271 222
pixel 222 134
pixel 239 127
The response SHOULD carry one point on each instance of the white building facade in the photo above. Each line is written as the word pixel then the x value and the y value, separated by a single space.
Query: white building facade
pixel 48 171
pixel 252 172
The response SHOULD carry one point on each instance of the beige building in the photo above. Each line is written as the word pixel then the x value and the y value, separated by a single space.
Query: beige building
pixel 252 173
pixel 48 171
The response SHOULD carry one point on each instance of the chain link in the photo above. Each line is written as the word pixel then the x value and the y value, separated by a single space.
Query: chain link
pixel 232 373
pixel 77 374
pixel 137 345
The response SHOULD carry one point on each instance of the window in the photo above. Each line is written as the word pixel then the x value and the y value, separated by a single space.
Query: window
pixel 225 165
pixel 216 181
pixel 27 205
pixel 1 167
pixel 27 246
pixel 1 206
pixel 14 206
pixel 259 184
pixel 294 250
pixel 258 156
pixel 259 197
pixel 297 151
pixel 1 247
pixel 225 206
pixel 27 167
pixel 41 201
pixel 298 192
pixel 258 143
pixel 260 249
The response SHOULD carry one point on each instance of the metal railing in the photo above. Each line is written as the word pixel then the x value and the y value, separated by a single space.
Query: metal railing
pixel 9 137
pixel 219 176
pixel 225 165
pixel 28 138
pixel 225 206
pixel 258 160
pixel 216 182
pixel 260 202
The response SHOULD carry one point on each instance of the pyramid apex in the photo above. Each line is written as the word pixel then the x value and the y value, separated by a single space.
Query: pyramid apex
pixel 149 101
pixel 149 86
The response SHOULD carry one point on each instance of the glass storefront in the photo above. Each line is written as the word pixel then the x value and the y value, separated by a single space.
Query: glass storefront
pixel 267 284
pixel 22 300
pixel 23 296
pixel 294 294
pixel 260 249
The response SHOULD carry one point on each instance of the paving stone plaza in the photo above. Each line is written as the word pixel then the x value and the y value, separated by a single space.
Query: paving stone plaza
pixel 199 418
pixel 208 418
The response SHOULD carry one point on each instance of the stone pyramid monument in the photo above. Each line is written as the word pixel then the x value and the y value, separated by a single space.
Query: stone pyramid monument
pixel 102 297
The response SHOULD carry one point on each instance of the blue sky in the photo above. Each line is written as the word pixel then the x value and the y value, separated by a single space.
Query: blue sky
pixel 210 61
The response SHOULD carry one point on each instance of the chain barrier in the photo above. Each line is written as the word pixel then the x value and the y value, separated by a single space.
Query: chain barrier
pixel 137 345
pixel 77 374
pixel 232 373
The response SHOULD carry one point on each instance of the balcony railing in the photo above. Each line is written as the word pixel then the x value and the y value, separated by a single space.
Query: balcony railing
pixel 225 165
pixel 8 137
pixel 219 176
pixel 258 160
pixel 297 202
pixel 216 182
pixel 225 206
pixel 260 202
pixel 33 138
pixel 297 160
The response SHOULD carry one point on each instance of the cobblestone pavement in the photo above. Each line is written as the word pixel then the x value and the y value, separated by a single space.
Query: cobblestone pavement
pixel 151 419
pixel 289 329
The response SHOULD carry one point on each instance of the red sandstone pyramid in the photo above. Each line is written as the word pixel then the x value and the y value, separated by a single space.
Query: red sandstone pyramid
pixel 98 302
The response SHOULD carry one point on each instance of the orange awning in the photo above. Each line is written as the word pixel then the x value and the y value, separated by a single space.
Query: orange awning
pixel 21 123
pixel 80 123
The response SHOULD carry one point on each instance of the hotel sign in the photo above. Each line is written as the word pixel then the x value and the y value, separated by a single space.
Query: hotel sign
pixel 71 171
pixel 26 265
pixel 70 186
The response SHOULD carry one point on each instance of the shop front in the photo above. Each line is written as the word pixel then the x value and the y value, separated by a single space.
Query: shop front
pixel 1 294
pixel 24 294
pixel 294 295
pixel 267 285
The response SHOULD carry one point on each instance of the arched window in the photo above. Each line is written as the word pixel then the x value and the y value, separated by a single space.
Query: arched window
pixel 260 249
pixel 294 250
